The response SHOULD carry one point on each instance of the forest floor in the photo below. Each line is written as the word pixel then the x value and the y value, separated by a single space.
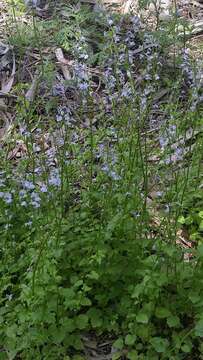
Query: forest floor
pixel 101 206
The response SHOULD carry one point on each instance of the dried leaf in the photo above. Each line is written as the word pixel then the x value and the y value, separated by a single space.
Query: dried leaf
pixel 5 123
pixel 7 84
pixel 30 94
pixel 126 7
pixel 63 63
pixel 19 151
pixel 161 94
pixel 3 106
pixel 4 48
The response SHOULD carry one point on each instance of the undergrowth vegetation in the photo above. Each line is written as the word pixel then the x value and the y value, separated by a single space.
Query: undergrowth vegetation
pixel 101 214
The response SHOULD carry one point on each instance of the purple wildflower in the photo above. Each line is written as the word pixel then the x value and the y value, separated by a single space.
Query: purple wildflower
pixel 55 178
pixel 35 200
pixel 28 185
pixel 163 141
pixel 43 188
pixel 83 86
pixel 7 197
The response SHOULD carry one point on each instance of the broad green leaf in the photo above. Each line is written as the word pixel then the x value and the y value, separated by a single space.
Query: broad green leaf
pixel 173 321
pixel 118 344
pixel 86 302
pixel 200 250
pixel 162 312
pixel 199 328
pixel 95 317
pixel 142 318
pixel 137 291
pixel 11 331
pixel 162 279
pixel 93 275
pixel 186 348
pixel 132 355
pixel 69 325
pixel 77 343
pixel 113 223
pixel 117 355
pixel 177 340
pixel 188 220
pixel 181 220
pixel 159 344
pixel 68 293
pixel 143 332
pixel 130 339
pixel 201 226
pixel 57 333
pixel 78 284
pixel 78 357
pixel 194 297
pixel 201 214
pixel 82 321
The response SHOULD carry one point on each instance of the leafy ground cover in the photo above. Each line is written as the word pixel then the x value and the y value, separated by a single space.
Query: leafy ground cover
pixel 101 213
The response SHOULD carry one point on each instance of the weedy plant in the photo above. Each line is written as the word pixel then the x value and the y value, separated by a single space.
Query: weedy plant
pixel 91 213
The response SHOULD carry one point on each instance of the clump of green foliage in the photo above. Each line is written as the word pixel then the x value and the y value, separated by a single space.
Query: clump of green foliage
pixel 81 252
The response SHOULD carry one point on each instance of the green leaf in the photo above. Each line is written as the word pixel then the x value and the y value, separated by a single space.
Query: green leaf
pixel 173 321
pixel 143 332
pixel 69 325
pixel 201 214
pixel 201 226
pixel 130 339
pixel 181 220
pixel 57 333
pixel 199 328
pixel 86 302
pixel 78 357
pixel 11 331
pixel 186 348
pixel 137 291
pixel 116 355
pixel 82 321
pixel 118 344
pixel 159 344
pixel 95 317
pixel 93 275
pixel 194 297
pixel 77 343
pixel 188 220
pixel 132 355
pixel 142 318
pixel 162 312
pixel 162 279
pixel 200 250
pixel 78 284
